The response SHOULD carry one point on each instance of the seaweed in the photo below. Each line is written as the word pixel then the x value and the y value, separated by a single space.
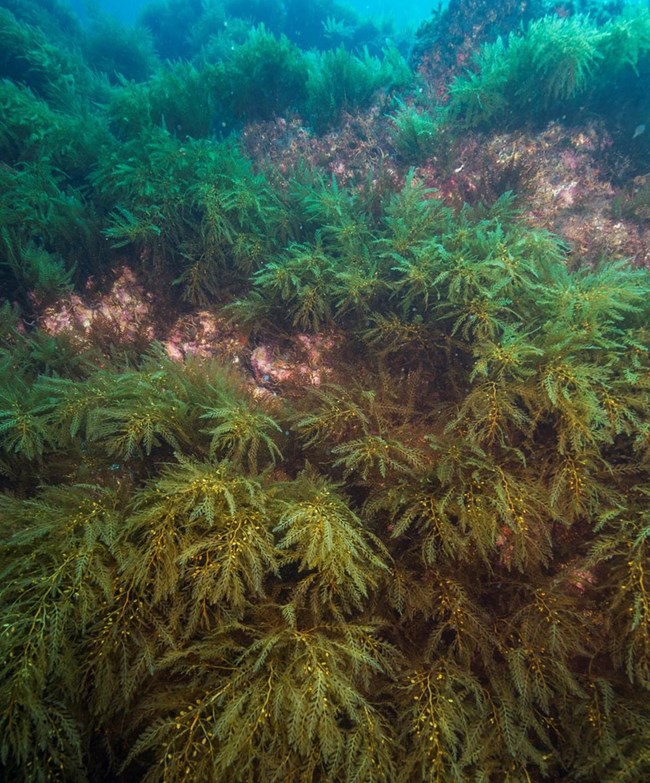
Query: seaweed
pixel 194 210
pixel 179 98
pixel 340 82
pixel 426 549
pixel 119 51
pixel 416 134
pixel 262 78
pixel 433 566
pixel 51 72
pixel 557 59
pixel 47 232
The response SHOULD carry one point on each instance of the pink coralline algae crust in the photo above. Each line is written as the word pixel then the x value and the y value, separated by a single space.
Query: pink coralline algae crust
pixel 359 147
pixel 124 314
pixel 203 334
pixel 306 360
pixel 449 45
pixel 563 182
pixel 563 176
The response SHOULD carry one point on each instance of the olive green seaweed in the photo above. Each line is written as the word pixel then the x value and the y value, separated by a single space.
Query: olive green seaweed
pixel 430 567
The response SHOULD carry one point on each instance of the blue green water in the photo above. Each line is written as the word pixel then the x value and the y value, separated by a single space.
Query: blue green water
pixel 403 13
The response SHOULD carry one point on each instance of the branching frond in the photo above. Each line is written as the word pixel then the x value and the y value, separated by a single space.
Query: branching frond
pixel 339 559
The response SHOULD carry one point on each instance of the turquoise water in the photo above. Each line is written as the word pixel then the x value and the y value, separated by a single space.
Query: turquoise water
pixel 404 13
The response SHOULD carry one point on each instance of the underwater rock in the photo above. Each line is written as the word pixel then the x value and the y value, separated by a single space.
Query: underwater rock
pixel 123 314
pixel 446 43
pixel 563 179
pixel 203 334
pixel 356 149
pixel 306 360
